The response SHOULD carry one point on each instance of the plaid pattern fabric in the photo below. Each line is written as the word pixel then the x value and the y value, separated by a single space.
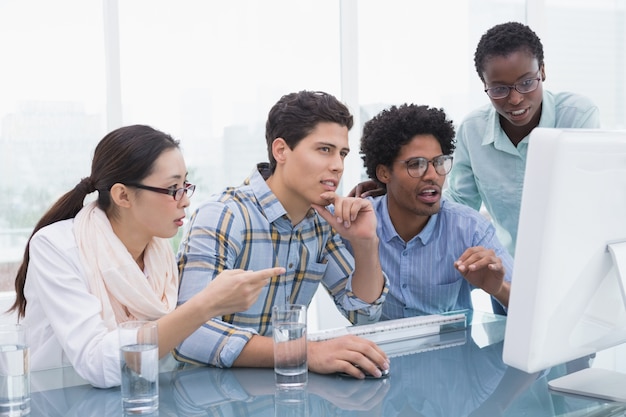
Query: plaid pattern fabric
pixel 246 227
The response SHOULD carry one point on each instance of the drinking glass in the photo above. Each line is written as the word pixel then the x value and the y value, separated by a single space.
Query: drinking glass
pixel 290 360
pixel 14 370
pixel 139 362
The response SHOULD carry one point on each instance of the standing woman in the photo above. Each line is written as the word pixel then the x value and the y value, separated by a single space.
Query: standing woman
pixel 88 268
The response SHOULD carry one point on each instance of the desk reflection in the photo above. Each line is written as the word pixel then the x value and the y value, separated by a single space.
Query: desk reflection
pixel 77 401
pixel 461 380
pixel 251 392
pixel 458 375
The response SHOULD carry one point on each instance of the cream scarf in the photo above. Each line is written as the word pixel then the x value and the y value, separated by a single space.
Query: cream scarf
pixel 126 293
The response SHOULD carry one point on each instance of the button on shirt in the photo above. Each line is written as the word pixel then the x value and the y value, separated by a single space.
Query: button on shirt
pixel 422 277
pixel 248 228
pixel 489 169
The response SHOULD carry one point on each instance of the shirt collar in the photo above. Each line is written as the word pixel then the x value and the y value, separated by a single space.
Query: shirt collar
pixel 548 110
pixel 267 200
pixel 388 231
pixel 496 136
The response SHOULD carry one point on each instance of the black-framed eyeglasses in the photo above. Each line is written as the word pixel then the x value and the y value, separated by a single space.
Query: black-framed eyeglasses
pixel 417 167
pixel 177 193
pixel 524 87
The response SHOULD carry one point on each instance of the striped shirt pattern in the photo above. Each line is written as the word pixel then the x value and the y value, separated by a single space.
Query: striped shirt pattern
pixel 422 277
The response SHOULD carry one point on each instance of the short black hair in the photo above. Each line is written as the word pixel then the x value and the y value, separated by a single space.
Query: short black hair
pixel 391 129
pixel 503 40
pixel 296 115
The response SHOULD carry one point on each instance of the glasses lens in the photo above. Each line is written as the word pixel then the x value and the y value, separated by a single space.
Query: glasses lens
pixel 416 167
pixel 179 194
pixel 527 86
pixel 443 164
pixel 190 188
pixel 498 92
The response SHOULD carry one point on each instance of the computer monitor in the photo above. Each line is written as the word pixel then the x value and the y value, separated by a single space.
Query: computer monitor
pixel 567 292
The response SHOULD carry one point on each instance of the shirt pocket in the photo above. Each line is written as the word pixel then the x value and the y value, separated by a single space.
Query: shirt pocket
pixel 315 271
pixel 430 298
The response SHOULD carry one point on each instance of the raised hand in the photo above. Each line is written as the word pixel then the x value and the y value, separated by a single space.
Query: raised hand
pixel 353 218
pixel 483 269
pixel 367 188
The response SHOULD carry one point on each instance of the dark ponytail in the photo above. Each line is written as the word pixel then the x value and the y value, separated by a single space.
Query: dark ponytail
pixel 125 155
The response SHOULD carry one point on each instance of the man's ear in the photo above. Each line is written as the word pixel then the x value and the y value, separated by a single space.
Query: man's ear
pixel 543 72
pixel 383 174
pixel 120 195
pixel 279 150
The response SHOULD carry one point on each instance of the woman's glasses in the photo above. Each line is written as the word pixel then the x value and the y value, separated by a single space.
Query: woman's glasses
pixel 524 87
pixel 176 193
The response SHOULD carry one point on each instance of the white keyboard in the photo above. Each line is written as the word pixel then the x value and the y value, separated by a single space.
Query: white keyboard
pixel 424 343
pixel 400 329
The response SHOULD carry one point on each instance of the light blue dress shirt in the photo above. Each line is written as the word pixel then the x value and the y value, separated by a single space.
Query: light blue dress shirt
pixel 488 169
pixel 421 273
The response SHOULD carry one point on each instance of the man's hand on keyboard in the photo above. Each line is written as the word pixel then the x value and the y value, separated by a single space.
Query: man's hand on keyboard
pixel 483 269
pixel 350 354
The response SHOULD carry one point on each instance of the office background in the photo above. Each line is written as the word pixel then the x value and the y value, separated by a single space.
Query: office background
pixel 207 72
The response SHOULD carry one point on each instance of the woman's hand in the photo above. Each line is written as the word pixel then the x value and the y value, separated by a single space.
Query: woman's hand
pixel 236 290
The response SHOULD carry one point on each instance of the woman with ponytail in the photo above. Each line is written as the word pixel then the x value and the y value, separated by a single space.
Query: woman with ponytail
pixel 87 268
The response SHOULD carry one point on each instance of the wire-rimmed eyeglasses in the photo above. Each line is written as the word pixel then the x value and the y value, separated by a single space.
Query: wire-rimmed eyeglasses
pixel 177 193
pixel 524 87
pixel 417 167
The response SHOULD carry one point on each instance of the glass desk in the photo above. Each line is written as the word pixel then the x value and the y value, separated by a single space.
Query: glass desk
pixel 458 374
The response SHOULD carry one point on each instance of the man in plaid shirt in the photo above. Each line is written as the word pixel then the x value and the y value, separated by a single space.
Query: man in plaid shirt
pixel 280 216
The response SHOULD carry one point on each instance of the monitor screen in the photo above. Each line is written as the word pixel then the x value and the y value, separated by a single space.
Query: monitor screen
pixel 567 293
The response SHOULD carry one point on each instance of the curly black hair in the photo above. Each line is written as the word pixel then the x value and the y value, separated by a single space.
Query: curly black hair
pixel 391 129
pixel 504 39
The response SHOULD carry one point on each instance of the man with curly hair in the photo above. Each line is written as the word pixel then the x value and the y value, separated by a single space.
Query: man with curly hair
pixel 492 141
pixel 434 252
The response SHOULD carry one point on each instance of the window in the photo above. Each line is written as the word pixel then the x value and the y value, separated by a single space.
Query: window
pixel 208 73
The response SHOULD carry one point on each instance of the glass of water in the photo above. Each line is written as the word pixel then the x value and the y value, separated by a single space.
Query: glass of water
pixel 289 331
pixel 14 370
pixel 139 362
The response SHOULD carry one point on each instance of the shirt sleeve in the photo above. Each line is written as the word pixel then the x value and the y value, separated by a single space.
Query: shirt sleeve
pixel 590 119
pixel 211 246
pixel 56 279
pixel 338 281
pixel 462 186
pixel 569 110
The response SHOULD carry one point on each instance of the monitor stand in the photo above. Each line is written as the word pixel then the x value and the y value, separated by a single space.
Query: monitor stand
pixel 593 382
pixel 618 253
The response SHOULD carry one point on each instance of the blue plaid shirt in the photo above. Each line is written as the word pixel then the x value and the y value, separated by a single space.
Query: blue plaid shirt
pixel 247 227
